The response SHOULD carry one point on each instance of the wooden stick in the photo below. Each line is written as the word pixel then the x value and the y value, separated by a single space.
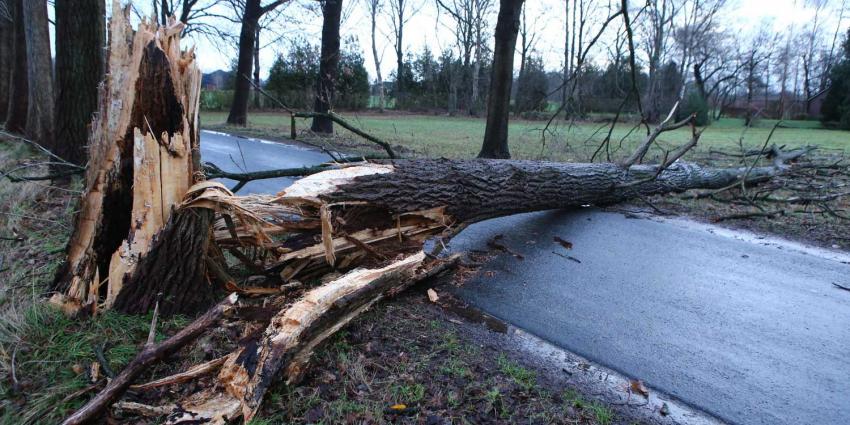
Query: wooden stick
pixel 149 355
pixel 192 373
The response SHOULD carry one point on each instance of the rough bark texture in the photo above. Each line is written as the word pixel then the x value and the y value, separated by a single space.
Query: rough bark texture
pixel 471 190
pixel 175 274
pixel 80 39
pixel 16 118
pixel 328 65
pixel 7 58
pixel 40 75
pixel 143 158
pixel 242 87
pixel 499 101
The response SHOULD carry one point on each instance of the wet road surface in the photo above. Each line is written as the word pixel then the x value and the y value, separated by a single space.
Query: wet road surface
pixel 748 330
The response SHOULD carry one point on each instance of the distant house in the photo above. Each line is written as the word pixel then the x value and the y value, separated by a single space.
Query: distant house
pixel 815 103
pixel 217 80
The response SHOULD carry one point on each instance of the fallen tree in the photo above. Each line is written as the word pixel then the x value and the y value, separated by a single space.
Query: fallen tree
pixel 151 231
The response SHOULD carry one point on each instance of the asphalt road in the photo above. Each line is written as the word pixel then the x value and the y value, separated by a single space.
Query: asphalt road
pixel 747 329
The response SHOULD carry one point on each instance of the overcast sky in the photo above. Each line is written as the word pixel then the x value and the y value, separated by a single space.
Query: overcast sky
pixel 428 27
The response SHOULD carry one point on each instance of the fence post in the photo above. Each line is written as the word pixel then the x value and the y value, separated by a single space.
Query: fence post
pixel 292 126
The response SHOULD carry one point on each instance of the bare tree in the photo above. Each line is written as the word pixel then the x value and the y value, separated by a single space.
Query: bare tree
pixel 400 13
pixel 250 12
pixel 39 74
pixel 375 7
pixel 657 28
pixel 469 26
pixel 328 64
pixel 813 76
pixel 7 52
pixel 499 102
pixel 693 38
pixel 80 38
pixel 527 40
pixel 754 59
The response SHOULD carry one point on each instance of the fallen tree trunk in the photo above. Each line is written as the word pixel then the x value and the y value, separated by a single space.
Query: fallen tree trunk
pixel 143 234
pixel 390 209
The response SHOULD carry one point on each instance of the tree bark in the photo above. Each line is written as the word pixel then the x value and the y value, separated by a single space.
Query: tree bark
pixel 80 38
pixel 328 65
pixel 7 58
pixel 257 67
pixel 242 88
pixel 374 6
pixel 499 101
pixel 40 75
pixel 18 102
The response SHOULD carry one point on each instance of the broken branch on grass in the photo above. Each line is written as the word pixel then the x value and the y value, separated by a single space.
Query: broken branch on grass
pixel 149 355
pixel 44 150
pixel 190 374
pixel 346 125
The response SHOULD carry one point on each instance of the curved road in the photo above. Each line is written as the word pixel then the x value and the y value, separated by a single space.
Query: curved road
pixel 747 329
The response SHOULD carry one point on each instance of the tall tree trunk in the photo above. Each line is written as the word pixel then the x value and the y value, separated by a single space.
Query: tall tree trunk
pixel 257 67
pixel 79 70
pixel 328 65
pixel 399 55
pixel 16 115
pixel 7 59
pixel 250 20
pixel 499 101
pixel 40 74
pixel 373 12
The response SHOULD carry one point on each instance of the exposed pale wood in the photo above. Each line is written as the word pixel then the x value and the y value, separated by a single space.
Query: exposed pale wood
pixel 284 350
pixel 188 375
pixel 143 159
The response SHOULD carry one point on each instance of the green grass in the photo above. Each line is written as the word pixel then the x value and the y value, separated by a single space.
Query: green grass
pixel 520 375
pixel 600 412
pixel 460 137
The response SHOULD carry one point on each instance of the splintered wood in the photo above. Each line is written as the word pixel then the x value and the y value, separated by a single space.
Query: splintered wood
pixel 142 159
pixel 318 254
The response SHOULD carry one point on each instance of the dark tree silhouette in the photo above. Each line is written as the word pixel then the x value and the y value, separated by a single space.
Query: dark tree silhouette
pixel 252 11
pixel 328 65
pixel 39 74
pixel 16 113
pixel 499 102
pixel 79 69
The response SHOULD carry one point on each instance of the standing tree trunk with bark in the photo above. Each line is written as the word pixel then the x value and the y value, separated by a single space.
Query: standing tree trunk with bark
pixel 251 12
pixel 499 101
pixel 16 112
pixel 257 68
pixel 7 56
pixel 328 66
pixel 242 87
pixel 39 75
pixel 374 8
pixel 80 38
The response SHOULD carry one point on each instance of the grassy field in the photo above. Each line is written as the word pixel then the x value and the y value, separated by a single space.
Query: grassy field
pixel 460 137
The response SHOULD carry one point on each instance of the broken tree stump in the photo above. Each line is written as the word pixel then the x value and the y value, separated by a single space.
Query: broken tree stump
pixel 143 157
